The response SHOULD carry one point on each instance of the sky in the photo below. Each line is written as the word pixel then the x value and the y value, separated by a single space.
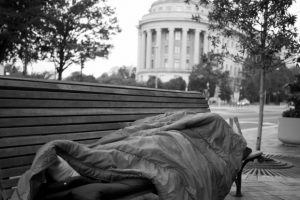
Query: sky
pixel 124 53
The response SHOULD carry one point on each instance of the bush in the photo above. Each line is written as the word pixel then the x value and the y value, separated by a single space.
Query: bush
pixel 293 99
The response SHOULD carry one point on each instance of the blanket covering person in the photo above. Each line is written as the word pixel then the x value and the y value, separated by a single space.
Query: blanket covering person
pixel 186 155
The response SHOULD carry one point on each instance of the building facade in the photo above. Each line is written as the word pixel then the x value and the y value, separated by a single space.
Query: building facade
pixel 170 42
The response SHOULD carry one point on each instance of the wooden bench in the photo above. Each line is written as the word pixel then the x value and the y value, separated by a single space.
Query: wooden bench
pixel 34 112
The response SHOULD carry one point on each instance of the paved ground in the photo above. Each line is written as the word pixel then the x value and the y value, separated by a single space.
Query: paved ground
pixel 278 186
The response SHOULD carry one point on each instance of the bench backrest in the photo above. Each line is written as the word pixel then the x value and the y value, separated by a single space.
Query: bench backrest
pixel 33 112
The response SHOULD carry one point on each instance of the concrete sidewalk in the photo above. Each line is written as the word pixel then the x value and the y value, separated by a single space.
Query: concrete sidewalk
pixel 249 108
pixel 279 186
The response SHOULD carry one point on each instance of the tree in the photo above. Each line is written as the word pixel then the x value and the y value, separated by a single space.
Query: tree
pixel 274 84
pixel 225 90
pixel 79 77
pixel 206 74
pixel 154 82
pixel 175 84
pixel 46 75
pixel 77 31
pixel 20 22
pixel 123 76
pixel 12 70
pixel 264 27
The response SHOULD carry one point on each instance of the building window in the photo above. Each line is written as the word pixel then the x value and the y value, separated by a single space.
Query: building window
pixel 153 50
pixel 176 63
pixel 189 37
pixel 177 50
pixel 166 49
pixel 153 38
pixel 177 35
pixel 188 50
pixel 166 63
pixel 187 61
pixel 152 64
pixel 166 36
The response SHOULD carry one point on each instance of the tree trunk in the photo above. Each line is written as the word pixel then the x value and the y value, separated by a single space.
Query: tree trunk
pixel 261 107
pixel 25 65
pixel 59 71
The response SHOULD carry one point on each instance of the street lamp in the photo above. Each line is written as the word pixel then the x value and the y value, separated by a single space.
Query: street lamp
pixel 207 91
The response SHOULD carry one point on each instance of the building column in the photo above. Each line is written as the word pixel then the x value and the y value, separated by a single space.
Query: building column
pixel 149 46
pixel 143 50
pixel 183 47
pixel 158 48
pixel 139 57
pixel 205 42
pixel 171 47
pixel 196 47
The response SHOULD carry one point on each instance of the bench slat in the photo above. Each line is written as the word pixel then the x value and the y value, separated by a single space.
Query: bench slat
pixel 38 121
pixel 80 111
pixel 12 172
pixel 8 183
pixel 18 151
pixel 21 94
pixel 30 140
pixel 8 83
pixel 29 150
pixel 26 103
pixel 58 129
pixel 16 161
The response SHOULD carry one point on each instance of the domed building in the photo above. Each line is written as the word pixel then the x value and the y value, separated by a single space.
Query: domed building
pixel 170 42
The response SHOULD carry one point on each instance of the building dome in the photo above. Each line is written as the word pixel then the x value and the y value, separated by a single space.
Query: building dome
pixel 171 42
pixel 167 1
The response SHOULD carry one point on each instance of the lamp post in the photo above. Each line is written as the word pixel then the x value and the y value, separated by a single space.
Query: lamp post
pixel 207 91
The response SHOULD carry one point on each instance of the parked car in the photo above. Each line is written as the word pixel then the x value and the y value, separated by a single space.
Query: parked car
pixel 243 102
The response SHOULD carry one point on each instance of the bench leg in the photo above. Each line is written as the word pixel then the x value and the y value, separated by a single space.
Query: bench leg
pixel 238 183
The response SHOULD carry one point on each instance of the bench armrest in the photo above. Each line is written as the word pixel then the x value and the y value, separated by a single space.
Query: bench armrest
pixel 253 156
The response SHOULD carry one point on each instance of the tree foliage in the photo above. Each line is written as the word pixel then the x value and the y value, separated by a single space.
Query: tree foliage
pixel 207 74
pixel 225 89
pixel 78 30
pixel 274 84
pixel 14 71
pixel 123 76
pixel 20 23
pixel 293 98
pixel 154 82
pixel 46 75
pixel 175 84
pixel 80 77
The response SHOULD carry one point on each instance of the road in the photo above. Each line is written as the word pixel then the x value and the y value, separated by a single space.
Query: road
pixel 248 115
